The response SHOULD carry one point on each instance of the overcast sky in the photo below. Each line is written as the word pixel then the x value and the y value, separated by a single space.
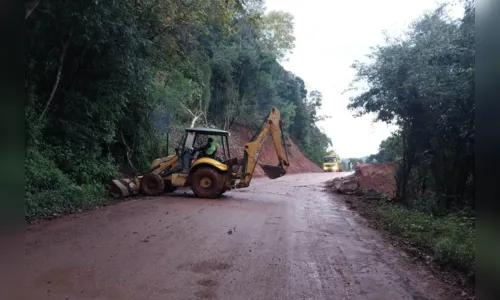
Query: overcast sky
pixel 330 35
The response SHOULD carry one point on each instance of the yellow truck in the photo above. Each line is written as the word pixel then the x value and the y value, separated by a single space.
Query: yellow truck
pixel 332 163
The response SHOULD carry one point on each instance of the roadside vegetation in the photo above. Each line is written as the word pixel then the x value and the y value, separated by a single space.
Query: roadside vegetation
pixel 108 81
pixel 451 238
pixel 423 81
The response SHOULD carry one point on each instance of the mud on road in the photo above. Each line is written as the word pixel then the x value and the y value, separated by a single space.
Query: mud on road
pixel 278 239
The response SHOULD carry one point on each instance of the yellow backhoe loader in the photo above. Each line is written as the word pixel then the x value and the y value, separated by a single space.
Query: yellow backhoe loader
pixel 208 177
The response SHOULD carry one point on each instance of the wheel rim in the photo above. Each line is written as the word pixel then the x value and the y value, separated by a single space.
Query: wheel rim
pixel 205 182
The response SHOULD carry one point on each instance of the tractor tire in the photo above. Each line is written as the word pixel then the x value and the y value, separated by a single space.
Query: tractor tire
pixel 206 183
pixel 169 188
pixel 152 184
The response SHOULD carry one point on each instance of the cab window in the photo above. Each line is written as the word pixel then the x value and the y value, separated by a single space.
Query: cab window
pixel 330 159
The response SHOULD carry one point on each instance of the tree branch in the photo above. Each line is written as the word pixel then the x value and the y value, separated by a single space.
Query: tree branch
pixel 58 77
pixel 194 120
pixel 195 117
pixel 30 7
pixel 155 3
pixel 129 152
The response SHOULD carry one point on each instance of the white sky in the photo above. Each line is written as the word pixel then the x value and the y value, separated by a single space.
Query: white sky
pixel 330 35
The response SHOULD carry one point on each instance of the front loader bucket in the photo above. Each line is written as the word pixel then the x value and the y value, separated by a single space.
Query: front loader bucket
pixel 273 172
pixel 119 188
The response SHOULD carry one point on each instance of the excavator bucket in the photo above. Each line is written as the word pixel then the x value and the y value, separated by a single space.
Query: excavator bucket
pixel 273 172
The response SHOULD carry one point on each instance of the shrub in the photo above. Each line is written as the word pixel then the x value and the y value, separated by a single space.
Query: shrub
pixel 50 192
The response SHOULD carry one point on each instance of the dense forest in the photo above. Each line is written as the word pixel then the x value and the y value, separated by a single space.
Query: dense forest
pixel 107 81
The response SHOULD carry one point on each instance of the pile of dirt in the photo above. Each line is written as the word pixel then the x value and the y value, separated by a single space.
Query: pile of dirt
pixel 372 180
pixel 299 163
pixel 378 176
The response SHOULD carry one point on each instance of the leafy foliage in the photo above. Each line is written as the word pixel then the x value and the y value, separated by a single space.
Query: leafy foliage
pixel 108 80
pixel 390 149
pixel 424 83
pixel 277 33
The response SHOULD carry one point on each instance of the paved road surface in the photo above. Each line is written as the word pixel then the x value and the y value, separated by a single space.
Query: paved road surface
pixel 278 239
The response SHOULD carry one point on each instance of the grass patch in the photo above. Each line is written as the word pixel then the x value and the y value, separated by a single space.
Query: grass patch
pixel 447 241
pixel 450 240
pixel 67 199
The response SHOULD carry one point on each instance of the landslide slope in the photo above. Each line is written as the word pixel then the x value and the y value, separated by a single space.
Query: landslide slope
pixel 299 163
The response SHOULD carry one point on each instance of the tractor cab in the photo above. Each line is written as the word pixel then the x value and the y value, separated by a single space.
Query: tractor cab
pixel 194 139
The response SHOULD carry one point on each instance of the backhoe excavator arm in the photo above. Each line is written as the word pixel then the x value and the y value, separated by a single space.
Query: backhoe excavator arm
pixel 274 126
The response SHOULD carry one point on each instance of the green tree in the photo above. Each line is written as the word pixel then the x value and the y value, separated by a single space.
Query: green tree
pixel 276 33
pixel 390 149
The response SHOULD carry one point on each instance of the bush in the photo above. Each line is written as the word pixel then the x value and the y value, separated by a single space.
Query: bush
pixel 93 171
pixel 50 192
pixel 41 173
pixel 67 199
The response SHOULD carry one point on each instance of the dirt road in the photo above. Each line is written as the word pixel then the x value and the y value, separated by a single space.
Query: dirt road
pixel 278 239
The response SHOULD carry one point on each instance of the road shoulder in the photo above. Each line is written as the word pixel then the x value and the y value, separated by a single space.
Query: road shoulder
pixel 365 212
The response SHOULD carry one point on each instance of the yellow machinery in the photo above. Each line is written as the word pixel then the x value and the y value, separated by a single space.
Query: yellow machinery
pixel 332 163
pixel 208 177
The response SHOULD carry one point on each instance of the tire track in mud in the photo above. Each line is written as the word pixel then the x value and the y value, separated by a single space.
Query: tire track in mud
pixel 350 261
pixel 335 276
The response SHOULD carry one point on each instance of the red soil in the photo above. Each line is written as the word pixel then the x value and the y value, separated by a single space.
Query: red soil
pixel 378 176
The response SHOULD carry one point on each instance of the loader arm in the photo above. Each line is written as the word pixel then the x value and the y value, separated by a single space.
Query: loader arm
pixel 274 126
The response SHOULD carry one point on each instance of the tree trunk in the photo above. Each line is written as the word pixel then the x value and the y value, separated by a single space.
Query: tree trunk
pixel 193 122
pixel 58 78
pixel 129 152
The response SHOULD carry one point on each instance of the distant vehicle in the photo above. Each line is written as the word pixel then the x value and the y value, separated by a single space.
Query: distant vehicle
pixel 332 163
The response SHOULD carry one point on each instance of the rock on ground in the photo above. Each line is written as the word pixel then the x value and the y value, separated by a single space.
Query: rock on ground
pixel 372 180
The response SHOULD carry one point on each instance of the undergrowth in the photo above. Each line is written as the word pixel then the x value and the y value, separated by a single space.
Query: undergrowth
pixel 50 192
